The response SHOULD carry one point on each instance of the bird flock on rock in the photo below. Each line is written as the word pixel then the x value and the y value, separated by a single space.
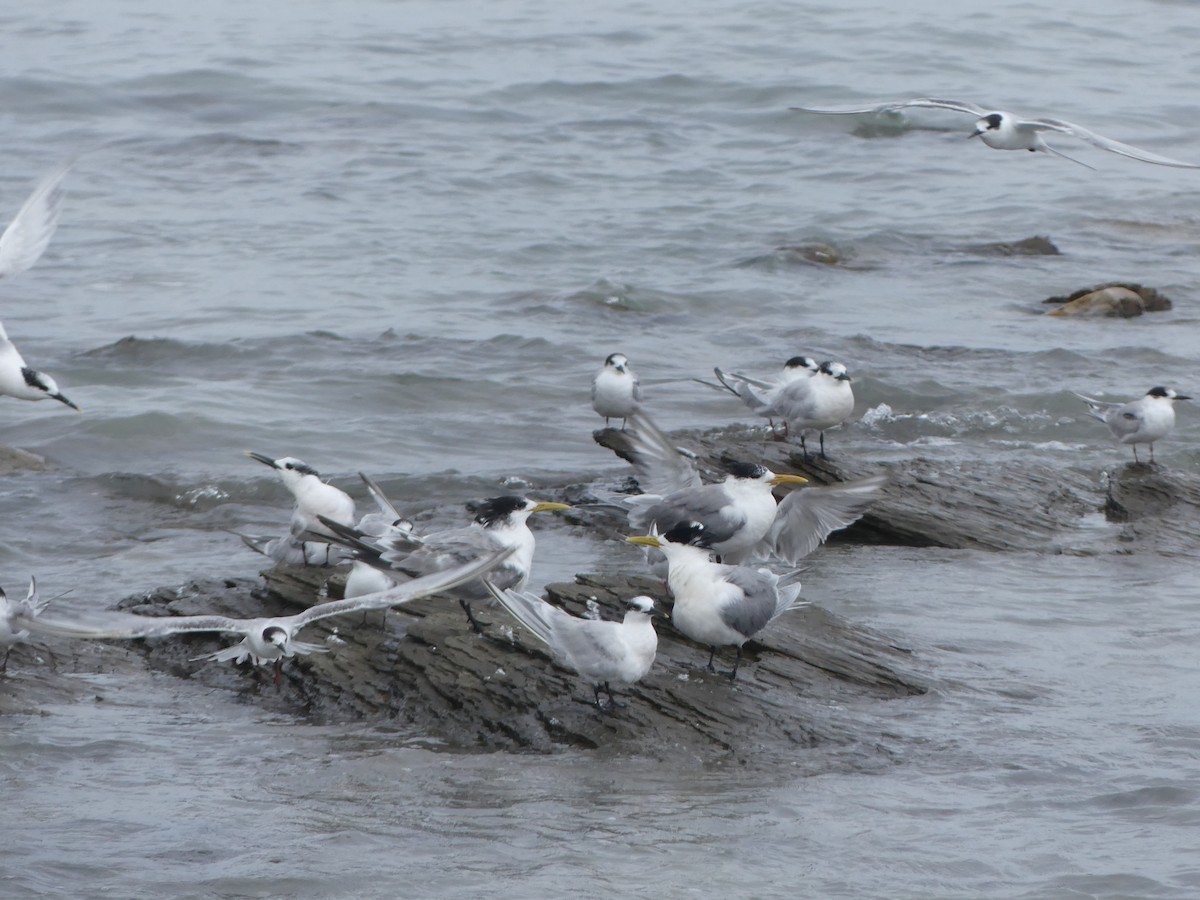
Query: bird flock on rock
pixel 723 543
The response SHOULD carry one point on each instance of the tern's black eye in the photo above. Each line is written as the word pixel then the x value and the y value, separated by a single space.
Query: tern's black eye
pixel 993 121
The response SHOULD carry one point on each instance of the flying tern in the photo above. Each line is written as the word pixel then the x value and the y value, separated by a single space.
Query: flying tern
pixel 616 390
pixel 715 604
pixel 600 651
pixel 500 523
pixel 1141 421
pixel 1006 131
pixel 264 640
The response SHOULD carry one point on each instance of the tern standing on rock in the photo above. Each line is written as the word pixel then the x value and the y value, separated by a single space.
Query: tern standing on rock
pixel 314 499
pixel 1141 421
pixel 616 390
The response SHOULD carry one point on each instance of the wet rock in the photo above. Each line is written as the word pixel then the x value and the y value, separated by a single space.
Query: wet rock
pixel 1156 508
pixel 14 459
pixel 1115 300
pixel 810 252
pixel 1031 246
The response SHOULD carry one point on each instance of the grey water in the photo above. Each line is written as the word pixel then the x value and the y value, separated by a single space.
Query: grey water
pixel 399 237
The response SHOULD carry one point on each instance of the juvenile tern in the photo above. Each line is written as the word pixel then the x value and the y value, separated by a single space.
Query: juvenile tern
pixel 387 522
pixel 740 514
pixel 12 612
pixel 719 605
pixel 1006 131
pixel 314 499
pixel 599 651
pixel 264 640
pixel 616 390
pixel 500 523
pixel 1142 421
pixel 20 381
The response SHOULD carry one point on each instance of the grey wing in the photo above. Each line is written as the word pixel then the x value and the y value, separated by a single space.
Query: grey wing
pixel 896 105
pixel 708 504
pixel 381 500
pixel 1098 409
pixel 34 602
pixel 637 387
pixel 131 625
pixel 1098 140
pixel 434 583
pixel 660 468
pixel 806 517
pixel 30 231
pixel 795 400
pixel 756 602
pixel 743 388
pixel 1124 419
pixel 590 647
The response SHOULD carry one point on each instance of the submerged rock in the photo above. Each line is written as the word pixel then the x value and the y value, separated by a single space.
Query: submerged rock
pixel 1110 300
pixel 1031 246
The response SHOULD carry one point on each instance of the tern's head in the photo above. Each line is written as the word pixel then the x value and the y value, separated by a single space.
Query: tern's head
pixel 286 465
pixel 273 634
pixel 684 534
pixel 644 605
pixel 1166 393
pixel 617 361
pixel 835 370
pixel 499 512
pixel 40 381
pixel 990 122
pixel 796 363
pixel 745 471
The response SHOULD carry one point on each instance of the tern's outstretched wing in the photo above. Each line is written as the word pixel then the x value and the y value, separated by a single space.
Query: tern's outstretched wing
pixel 29 233
pixel 961 106
pixel 1098 140
pixel 130 625
pixel 661 469
pixel 807 517
pixel 435 583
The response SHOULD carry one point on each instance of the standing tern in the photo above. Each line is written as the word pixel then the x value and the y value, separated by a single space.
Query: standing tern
pixel 760 395
pixel 314 499
pixel 719 605
pixel 1142 421
pixel 14 612
pixel 599 651
pixel 1005 131
pixel 500 523
pixel 740 514
pixel 616 390
pixel 264 640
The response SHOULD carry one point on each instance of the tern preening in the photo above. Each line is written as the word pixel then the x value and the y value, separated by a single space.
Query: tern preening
pixel 719 605
pixel 1141 421
pixel 740 514
pixel 1006 131
pixel 501 523
pixel 602 652
pixel 265 640
pixel 616 390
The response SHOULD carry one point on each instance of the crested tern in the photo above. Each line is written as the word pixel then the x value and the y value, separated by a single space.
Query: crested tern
pixel 1006 131
pixel 264 640
pixel 314 499
pixel 616 390
pixel 719 605
pixel 1141 421
pixel 600 651
pixel 500 523
pixel 12 612
pixel 740 514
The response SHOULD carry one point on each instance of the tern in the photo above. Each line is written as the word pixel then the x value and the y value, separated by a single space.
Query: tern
pixel 600 651
pixel 500 523
pixel 821 401
pixel 616 390
pixel 387 522
pixel 14 612
pixel 760 395
pixel 1006 131
pixel 19 380
pixel 264 640
pixel 719 605
pixel 1142 421
pixel 740 514
pixel 314 499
